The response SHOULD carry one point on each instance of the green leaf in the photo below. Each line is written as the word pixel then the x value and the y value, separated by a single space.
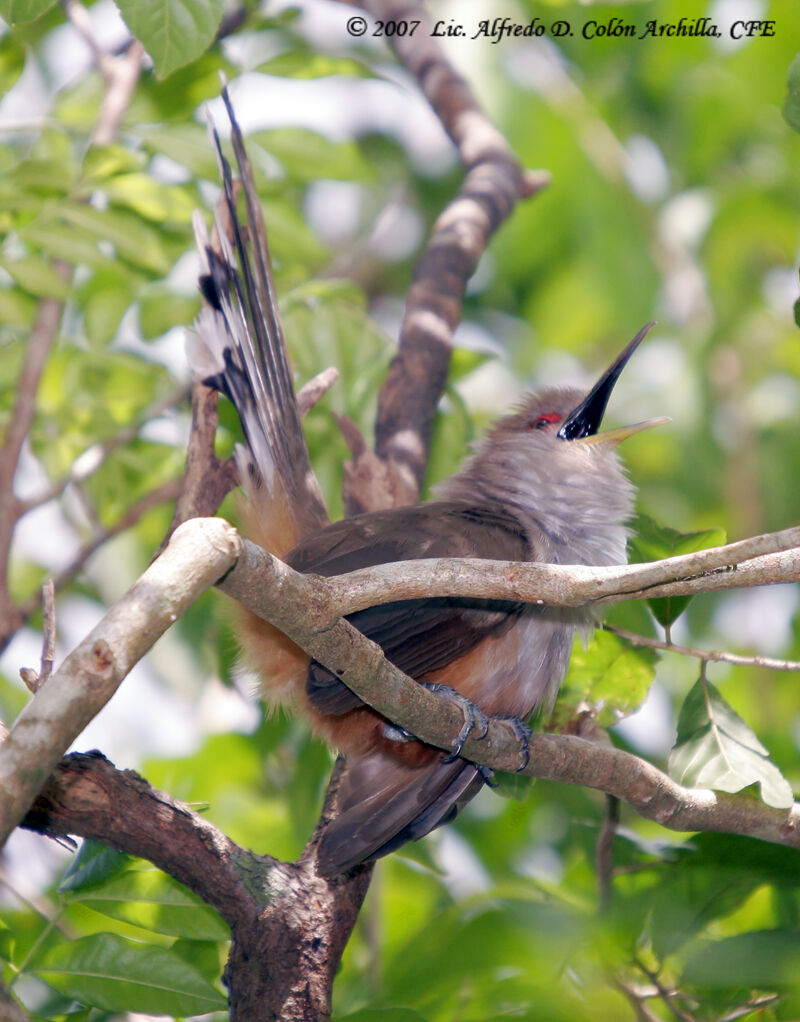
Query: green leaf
pixel 300 64
pixel 12 61
pixel 149 198
pixel 161 309
pixel 102 162
pixel 115 974
pixel 652 542
pixel 134 241
pixel 16 308
pixel 154 901
pixel 716 749
pixel 791 106
pixel 762 959
pixel 94 863
pixel 186 144
pixel 609 676
pixel 37 277
pixel 104 298
pixel 174 32
pixel 307 156
pixel 63 241
pixel 17 12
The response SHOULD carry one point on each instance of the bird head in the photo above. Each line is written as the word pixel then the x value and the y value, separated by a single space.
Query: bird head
pixel 569 415
pixel 550 461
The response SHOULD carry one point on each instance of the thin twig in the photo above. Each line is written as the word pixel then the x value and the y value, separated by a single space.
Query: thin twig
pixel 749 1007
pixel 636 998
pixel 315 389
pixel 666 995
pixel 604 852
pixel 160 495
pixel 121 74
pixel 45 328
pixel 34 679
pixel 90 460
pixel 704 654
pixel 48 629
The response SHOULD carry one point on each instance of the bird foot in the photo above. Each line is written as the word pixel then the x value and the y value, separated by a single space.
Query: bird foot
pixel 474 718
pixel 523 735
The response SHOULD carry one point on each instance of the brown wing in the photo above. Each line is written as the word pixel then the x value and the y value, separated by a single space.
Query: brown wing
pixel 418 636
pixel 382 805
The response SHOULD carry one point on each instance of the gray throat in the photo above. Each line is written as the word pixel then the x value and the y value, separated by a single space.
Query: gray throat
pixel 577 506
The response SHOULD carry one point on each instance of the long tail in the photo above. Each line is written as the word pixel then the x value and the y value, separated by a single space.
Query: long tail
pixel 240 350
pixel 383 805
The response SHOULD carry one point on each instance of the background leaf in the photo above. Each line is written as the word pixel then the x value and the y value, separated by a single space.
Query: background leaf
pixel 716 749
pixel 17 12
pixel 791 107
pixel 651 541
pixel 115 974
pixel 607 676
pixel 174 32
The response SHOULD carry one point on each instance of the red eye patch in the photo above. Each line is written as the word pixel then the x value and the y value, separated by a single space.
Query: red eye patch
pixel 543 421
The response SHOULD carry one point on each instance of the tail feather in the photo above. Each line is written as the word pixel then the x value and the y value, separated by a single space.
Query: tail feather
pixel 239 349
pixel 382 805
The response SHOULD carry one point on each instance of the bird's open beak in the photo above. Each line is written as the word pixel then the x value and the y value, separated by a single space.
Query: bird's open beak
pixel 616 436
pixel 582 423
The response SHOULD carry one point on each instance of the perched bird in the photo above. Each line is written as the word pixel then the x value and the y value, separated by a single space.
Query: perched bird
pixel 542 485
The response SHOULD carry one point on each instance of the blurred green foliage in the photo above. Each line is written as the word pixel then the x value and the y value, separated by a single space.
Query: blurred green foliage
pixel 675 195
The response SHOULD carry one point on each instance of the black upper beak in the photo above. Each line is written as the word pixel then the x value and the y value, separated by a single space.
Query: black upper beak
pixel 586 418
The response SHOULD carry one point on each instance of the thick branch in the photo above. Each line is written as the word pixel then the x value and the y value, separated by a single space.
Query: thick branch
pixel 281 914
pixel 307 609
pixel 270 589
pixel 493 185
pixel 195 558
pixel 763 560
pixel 87 796
pixel 202 551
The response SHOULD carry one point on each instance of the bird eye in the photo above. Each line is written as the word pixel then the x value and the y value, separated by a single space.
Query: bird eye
pixel 543 421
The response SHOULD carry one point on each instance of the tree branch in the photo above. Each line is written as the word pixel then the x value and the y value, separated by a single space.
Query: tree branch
pixel 121 74
pixel 279 912
pixel 205 551
pixel 90 460
pixel 302 606
pixel 87 796
pixel 769 662
pixel 195 559
pixel 161 494
pixel 763 560
pixel 45 328
pixel 494 183
pixel 207 479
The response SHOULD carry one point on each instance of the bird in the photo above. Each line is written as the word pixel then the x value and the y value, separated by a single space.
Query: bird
pixel 544 484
